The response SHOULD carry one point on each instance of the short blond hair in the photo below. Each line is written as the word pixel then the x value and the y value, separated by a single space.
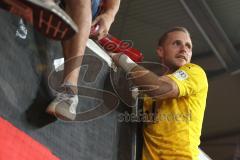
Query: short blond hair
pixel 165 35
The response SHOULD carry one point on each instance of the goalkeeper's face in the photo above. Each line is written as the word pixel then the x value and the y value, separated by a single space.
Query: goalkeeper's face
pixel 176 50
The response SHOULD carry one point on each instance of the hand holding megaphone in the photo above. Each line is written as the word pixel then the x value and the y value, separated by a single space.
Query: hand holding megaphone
pixel 114 45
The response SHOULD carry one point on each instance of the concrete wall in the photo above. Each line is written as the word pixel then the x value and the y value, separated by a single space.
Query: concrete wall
pixel 25 66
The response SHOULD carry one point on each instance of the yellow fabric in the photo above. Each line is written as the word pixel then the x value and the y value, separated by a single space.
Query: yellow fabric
pixel 175 133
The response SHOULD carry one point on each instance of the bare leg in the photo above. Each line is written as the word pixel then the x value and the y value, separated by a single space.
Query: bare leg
pixel 66 101
pixel 80 12
pixel 65 104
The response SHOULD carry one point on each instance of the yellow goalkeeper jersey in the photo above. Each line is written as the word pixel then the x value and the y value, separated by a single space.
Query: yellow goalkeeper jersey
pixel 173 129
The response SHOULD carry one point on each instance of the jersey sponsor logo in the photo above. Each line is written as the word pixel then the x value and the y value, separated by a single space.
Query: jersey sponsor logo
pixel 180 75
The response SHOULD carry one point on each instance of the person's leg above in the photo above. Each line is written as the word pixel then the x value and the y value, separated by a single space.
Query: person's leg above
pixel 74 48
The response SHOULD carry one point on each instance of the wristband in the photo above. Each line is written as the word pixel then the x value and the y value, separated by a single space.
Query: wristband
pixel 126 63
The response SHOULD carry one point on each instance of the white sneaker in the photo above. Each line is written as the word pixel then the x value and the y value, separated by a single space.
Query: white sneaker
pixel 64 106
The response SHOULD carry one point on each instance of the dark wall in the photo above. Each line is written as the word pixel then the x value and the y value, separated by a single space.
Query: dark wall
pixel 25 66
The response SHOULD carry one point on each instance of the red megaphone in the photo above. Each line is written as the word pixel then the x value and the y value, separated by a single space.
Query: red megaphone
pixel 112 44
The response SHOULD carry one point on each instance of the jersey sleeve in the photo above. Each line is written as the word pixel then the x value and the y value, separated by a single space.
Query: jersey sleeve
pixel 190 79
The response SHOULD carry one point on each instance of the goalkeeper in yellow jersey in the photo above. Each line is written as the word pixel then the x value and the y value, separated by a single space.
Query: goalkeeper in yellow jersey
pixel 179 95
